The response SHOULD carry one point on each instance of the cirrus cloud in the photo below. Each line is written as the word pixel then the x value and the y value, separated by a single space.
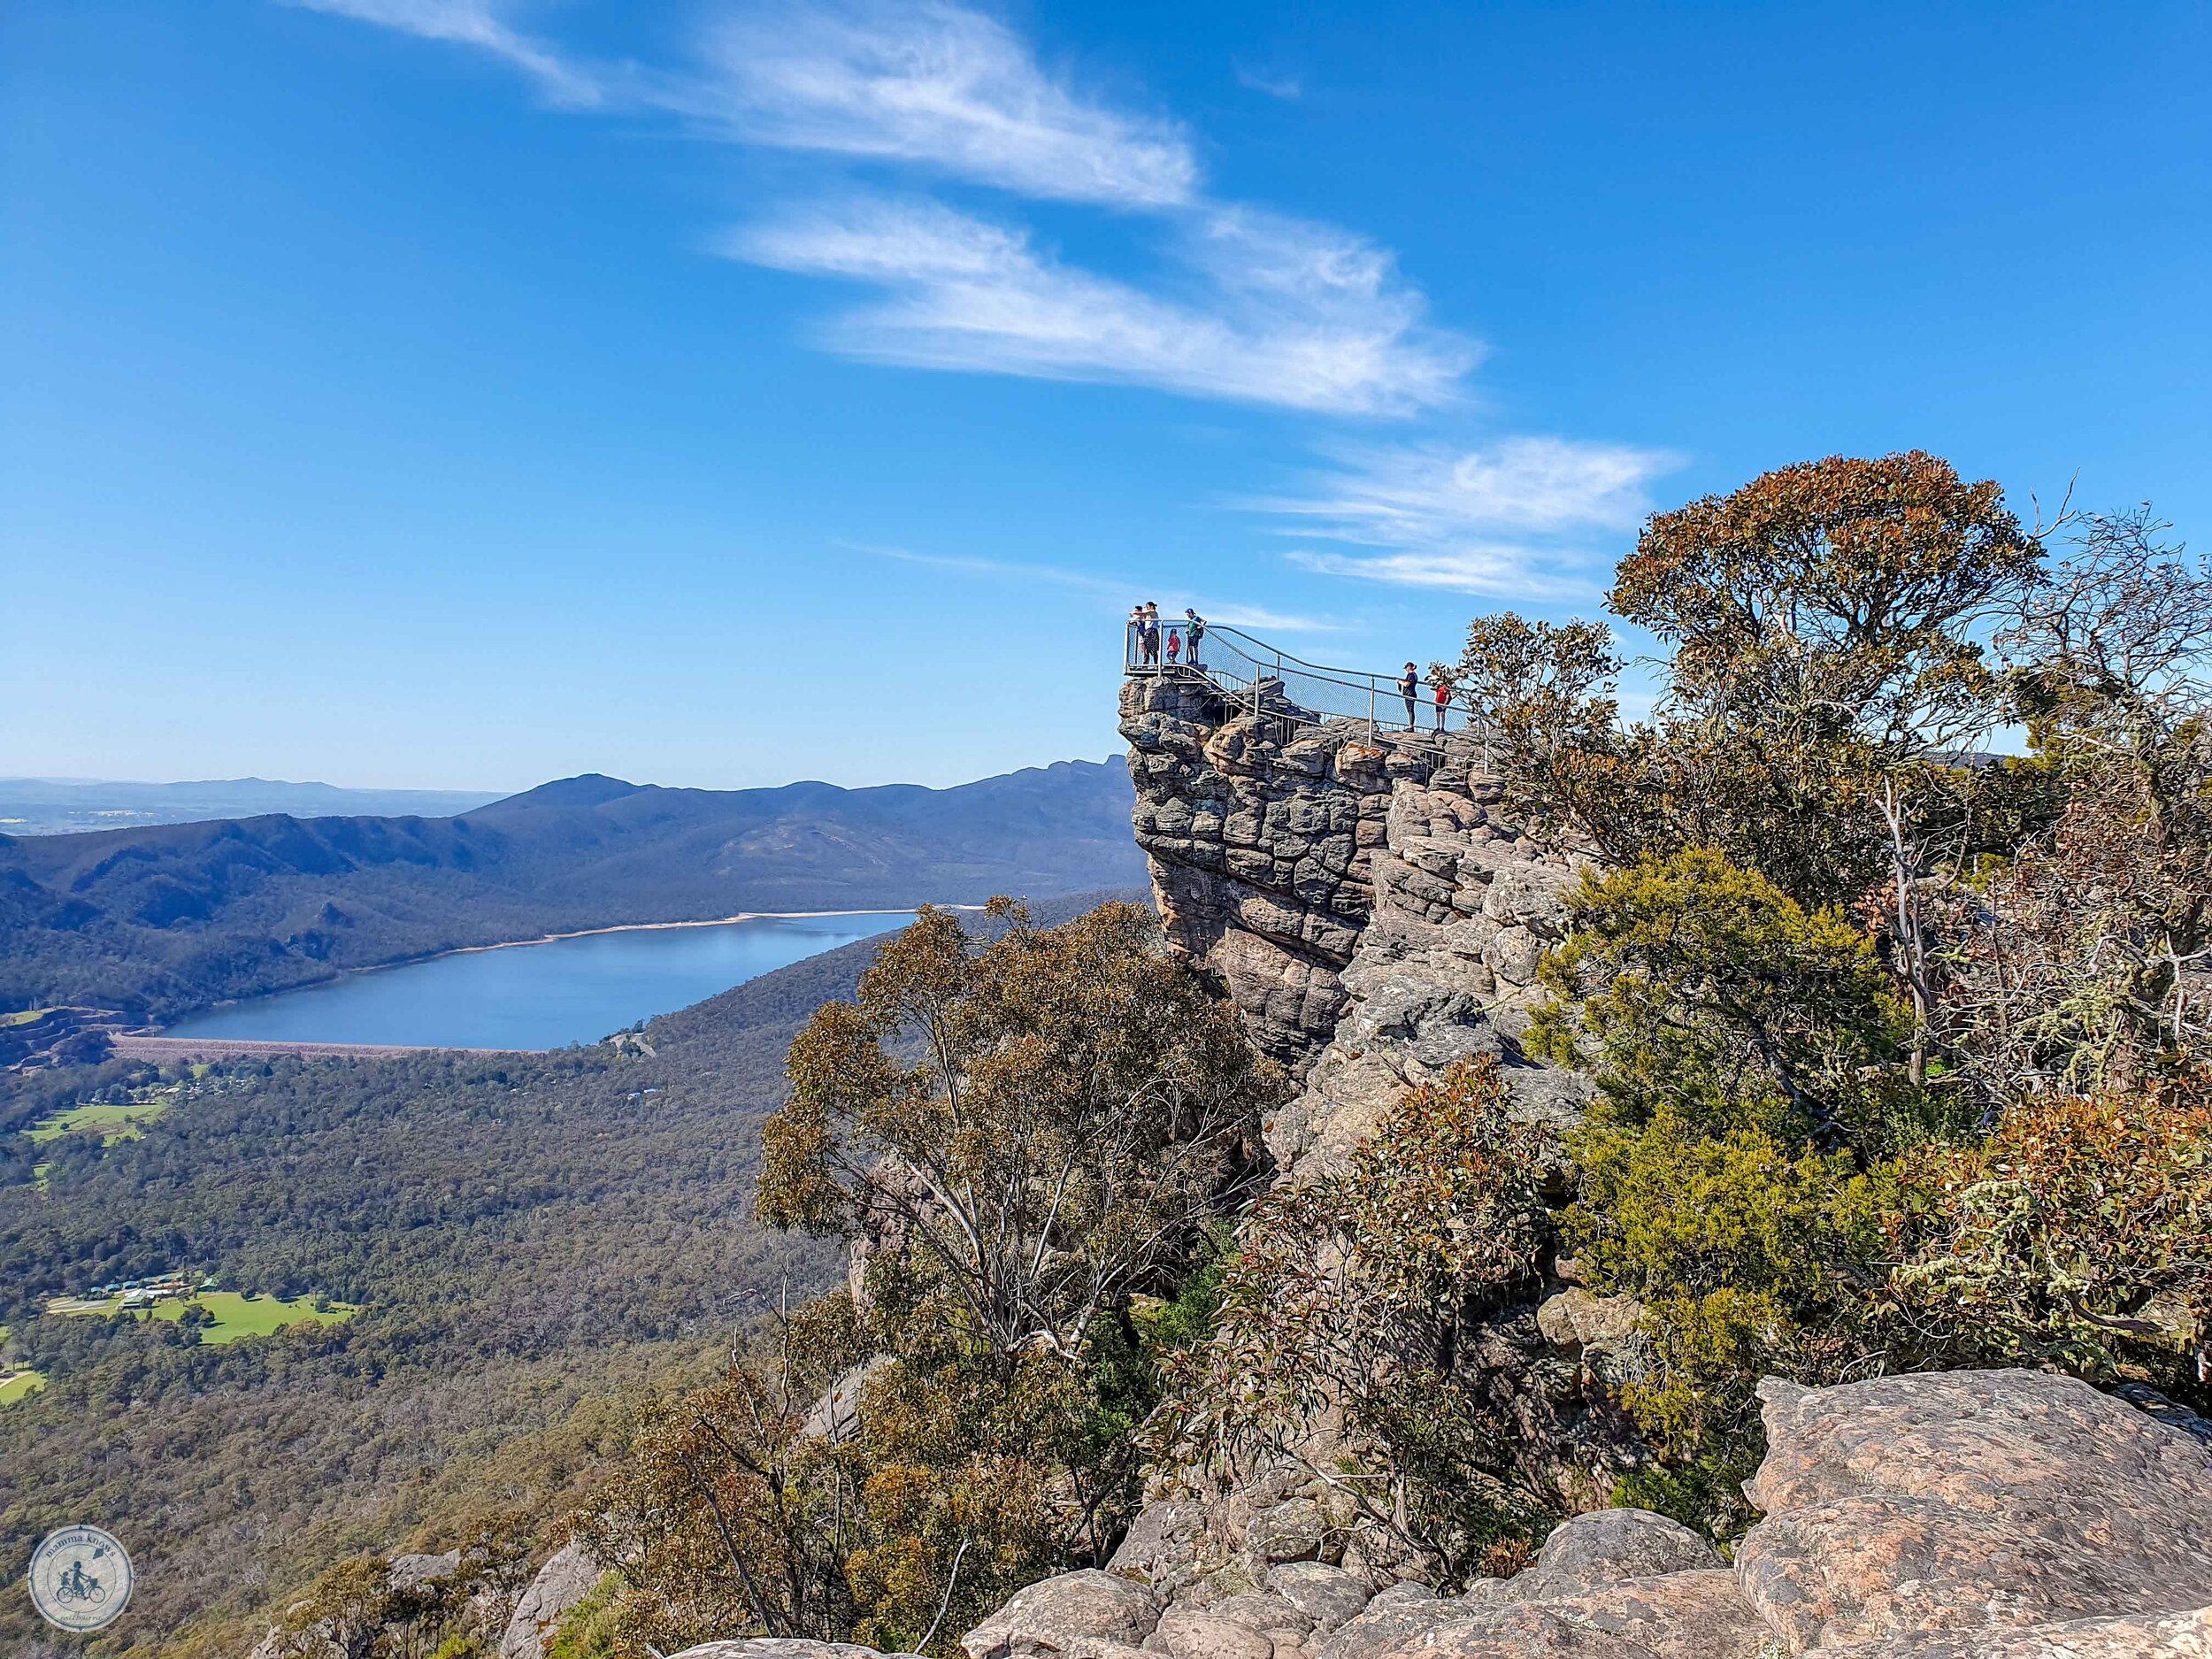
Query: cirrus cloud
pixel 484 25
pixel 1298 317
pixel 1220 300
pixel 1521 515
pixel 941 86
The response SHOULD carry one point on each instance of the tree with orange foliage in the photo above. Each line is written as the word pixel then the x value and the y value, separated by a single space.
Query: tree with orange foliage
pixel 1825 623
pixel 2079 1235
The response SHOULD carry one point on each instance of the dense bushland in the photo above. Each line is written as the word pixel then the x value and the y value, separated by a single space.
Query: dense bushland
pixel 538 1244
pixel 1341 1320
pixel 1030 1143
pixel 1900 1045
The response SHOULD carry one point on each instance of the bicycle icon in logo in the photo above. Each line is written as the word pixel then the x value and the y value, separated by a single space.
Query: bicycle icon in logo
pixel 81 1579
pixel 77 1584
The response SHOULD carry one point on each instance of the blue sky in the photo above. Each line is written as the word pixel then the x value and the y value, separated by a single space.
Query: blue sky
pixel 464 393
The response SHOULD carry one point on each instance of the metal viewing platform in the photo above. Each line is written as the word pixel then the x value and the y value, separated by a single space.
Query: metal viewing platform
pixel 1251 675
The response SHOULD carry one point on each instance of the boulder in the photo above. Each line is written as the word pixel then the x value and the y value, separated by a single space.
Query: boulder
pixel 1208 1636
pixel 1400 1618
pixel 1291 1531
pixel 1698 1614
pixel 1266 1610
pixel 1161 1545
pixel 1595 1551
pixel 1514 1632
pixel 1051 1616
pixel 1969 1502
pixel 412 1572
pixel 1326 1596
pixel 1679 1616
pixel 837 1413
pixel 2173 1636
pixel 565 1579
pixel 1574 1318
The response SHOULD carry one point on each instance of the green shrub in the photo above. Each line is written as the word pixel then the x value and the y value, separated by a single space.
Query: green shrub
pixel 1342 1314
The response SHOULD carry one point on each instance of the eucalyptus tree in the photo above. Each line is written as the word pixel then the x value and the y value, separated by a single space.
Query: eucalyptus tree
pixel 1028 1130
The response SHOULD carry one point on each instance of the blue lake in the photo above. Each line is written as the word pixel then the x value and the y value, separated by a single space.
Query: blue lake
pixel 537 995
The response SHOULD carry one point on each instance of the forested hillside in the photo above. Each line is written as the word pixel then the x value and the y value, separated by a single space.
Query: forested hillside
pixel 160 919
pixel 532 1242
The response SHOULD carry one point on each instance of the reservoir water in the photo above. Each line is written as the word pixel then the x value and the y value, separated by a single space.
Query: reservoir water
pixel 537 995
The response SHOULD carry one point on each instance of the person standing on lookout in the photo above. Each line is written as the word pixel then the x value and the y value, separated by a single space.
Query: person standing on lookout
pixel 1443 702
pixel 1193 631
pixel 1407 688
pixel 1151 635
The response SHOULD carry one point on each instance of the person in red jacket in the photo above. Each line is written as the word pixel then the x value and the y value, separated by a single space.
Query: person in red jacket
pixel 1443 702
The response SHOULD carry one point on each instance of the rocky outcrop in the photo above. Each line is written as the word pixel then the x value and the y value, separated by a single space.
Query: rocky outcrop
pixel 1369 902
pixel 1970 1515
pixel 566 1579
pixel 1258 841
pixel 1086 1609
pixel 1968 1501
pixel 1376 910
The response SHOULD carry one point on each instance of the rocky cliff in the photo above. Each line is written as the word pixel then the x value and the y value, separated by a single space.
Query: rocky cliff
pixel 1377 911
pixel 1369 902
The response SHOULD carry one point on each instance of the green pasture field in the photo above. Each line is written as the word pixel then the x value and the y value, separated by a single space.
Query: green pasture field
pixel 235 1315
pixel 114 1123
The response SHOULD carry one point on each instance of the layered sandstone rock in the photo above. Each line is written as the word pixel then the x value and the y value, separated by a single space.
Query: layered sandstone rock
pixel 1369 902
pixel 1376 910
pixel 1963 1502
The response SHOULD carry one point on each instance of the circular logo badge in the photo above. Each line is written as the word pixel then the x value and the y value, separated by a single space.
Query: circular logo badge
pixel 81 1579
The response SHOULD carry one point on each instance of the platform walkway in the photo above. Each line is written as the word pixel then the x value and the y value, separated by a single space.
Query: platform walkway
pixel 1249 674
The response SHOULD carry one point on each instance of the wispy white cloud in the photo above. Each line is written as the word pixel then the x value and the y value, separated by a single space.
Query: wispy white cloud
pixel 1299 316
pixel 1233 303
pixel 941 86
pixel 1495 570
pixel 1236 615
pixel 1273 83
pixel 1519 517
pixel 1413 495
pixel 483 24
pixel 966 565
pixel 1121 592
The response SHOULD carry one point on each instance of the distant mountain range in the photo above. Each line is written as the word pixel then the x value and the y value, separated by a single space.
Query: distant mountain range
pixel 65 806
pixel 160 919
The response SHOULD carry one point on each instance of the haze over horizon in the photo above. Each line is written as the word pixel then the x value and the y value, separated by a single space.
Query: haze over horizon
pixel 463 393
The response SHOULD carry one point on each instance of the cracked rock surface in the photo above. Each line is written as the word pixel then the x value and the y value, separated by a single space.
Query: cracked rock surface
pixel 1962 1515
pixel 1372 906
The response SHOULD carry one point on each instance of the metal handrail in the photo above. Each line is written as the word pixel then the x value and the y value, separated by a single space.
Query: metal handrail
pixel 1266 680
